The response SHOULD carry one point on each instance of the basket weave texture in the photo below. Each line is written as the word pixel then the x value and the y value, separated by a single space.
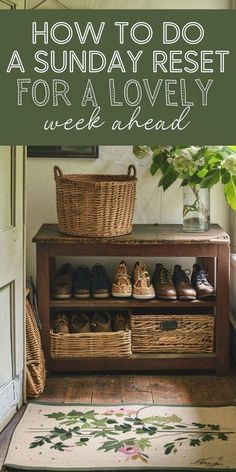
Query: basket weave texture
pixel 107 344
pixel 95 205
pixel 189 333
pixel 35 362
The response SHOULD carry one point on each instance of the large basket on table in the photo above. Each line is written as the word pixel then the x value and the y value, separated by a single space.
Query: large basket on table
pixel 95 205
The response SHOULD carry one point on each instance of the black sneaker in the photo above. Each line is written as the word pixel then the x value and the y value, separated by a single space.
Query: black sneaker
pixel 81 282
pixel 199 281
pixel 182 284
pixel 100 284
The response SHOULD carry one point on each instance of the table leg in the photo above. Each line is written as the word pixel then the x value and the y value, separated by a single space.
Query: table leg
pixel 43 300
pixel 222 310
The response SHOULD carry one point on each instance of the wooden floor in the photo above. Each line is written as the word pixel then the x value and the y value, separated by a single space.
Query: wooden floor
pixel 165 389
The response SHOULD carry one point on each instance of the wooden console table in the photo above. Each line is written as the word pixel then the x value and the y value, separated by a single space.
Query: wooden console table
pixel 145 241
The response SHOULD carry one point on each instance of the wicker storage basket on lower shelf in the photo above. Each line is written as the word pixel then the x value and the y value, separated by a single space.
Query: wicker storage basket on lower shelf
pixel 172 333
pixel 110 344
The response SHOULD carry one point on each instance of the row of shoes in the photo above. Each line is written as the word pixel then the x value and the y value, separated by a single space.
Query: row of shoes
pixel 86 322
pixel 83 283
pixel 163 285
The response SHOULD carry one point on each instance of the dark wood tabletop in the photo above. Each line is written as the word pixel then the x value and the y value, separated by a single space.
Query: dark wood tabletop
pixel 141 234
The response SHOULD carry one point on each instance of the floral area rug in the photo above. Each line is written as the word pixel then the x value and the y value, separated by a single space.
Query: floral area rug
pixel 123 437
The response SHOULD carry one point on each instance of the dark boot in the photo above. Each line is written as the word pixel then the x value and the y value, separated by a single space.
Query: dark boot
pixel 199 281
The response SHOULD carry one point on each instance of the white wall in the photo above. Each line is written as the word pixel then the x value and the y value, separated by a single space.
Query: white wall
pixel 152 205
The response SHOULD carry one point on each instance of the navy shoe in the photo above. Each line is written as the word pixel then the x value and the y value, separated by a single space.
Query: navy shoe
pixel 81 282
pixel 100 284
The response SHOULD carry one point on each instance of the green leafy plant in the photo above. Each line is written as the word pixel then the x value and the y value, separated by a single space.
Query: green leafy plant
pixel 197 166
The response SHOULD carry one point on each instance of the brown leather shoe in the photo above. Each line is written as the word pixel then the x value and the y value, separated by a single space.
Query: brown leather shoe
pixel 199 281
pixel 62 282
pixel 80 323
pixel 101 322
pixel 60 324
pixel 163 283
pixel 182 284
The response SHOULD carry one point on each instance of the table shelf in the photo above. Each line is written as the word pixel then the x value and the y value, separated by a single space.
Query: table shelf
pixel 156 241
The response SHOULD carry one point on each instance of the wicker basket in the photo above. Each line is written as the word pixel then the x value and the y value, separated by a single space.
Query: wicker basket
pixel 172 333
pixel 107 344
pixel 35 362
pixel 95 205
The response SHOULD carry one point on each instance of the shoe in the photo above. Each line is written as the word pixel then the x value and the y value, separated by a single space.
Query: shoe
pixel 199 281
pixel 62 282
pixel 121 286
pixel 119 322
pixel 100 284
pixel 142 287
pixel 101 322
pixel 81 282
pixel 60 324
pixel 80 323
pixel 182 284
pixel 163 283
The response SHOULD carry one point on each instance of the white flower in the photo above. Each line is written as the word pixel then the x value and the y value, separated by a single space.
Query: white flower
pixel 183 164
pixel 142 151
pixel 166 149
pixel 186 153
pixel 200 162
pixel 230 163
pixel 194 149
pixel 214 149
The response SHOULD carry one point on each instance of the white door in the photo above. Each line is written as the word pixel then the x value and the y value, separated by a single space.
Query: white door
pixel 11 273
pixel 11 281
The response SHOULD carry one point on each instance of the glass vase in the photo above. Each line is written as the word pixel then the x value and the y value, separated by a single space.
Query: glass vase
pixel 196 209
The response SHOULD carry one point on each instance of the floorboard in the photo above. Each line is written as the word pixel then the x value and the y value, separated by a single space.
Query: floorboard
pixel 113 389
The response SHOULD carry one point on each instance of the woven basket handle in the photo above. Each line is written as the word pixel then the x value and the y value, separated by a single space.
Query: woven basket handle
pixel 57 171
pixel 132 171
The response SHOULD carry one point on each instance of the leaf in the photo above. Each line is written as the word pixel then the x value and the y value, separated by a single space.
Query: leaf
pixel 195 442
pixel 211 178
pixel 223 437
pixel 199 425
pixel 169 449
pixel 84 440
pixel 215 427
pixel 153 168
pixel 180 426
pixel 109 421
pixel 230 193
pixel 59 430
pixel 67 435
pixel 207 437
pixel 59 446
pixel 143 443
pixel 168 179
pixel 225 177
pixel 36 444
pixel 76 429
pixel 74 413
pixel 56 416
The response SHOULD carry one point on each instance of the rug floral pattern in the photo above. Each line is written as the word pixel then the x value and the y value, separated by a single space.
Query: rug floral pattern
pixel 129 436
